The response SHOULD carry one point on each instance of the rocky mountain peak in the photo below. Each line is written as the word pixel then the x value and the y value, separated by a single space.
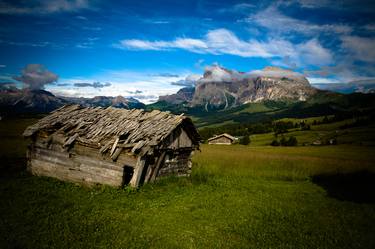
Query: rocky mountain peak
pixel 222 88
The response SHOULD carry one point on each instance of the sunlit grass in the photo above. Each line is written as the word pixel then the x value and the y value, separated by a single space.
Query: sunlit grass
pixel 237 197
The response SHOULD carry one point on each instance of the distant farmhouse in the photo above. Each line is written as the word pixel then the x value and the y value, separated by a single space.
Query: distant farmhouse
pixel 111 146
pixel 222 139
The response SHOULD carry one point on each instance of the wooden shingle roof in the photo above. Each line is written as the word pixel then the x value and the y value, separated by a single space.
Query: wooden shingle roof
pixel 112 129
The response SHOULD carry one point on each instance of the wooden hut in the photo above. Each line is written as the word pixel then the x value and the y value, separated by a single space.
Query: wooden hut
pixel 222 139
pixel 111 146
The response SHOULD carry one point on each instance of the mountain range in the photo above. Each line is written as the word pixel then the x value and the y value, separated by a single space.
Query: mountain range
pixel 219 89
pixel 17 101
pixel 359 86
pixel 223 96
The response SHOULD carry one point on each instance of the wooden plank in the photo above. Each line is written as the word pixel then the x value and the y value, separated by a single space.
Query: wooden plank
pixel 116 154
pixel 114 146
pixel 122 159
pixel 65 159
pixel 43 168
pixel 158 166
pixel 134 182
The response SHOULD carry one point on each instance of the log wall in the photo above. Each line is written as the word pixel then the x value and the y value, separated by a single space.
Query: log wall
pixel 73 167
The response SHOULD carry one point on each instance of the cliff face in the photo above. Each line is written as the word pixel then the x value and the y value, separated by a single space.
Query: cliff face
pixel 183 95
pixel 223 88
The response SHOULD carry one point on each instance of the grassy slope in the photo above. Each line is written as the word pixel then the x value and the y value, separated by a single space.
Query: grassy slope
pixel 323 103
pixel 362 135
pixel 237 197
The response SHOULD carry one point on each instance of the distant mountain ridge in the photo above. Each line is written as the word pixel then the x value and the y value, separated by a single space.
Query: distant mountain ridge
pixel 16 101
pixel 359 86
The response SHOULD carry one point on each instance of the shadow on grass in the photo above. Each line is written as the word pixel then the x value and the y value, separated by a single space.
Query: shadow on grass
pixel 358 187
pixel 10 166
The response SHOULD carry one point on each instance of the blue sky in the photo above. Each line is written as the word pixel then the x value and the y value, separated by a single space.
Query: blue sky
pixel 141 48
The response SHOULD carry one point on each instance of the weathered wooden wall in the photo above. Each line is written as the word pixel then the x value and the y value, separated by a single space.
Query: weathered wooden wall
pixel 74 168
pixel 176 163
pixel 80 164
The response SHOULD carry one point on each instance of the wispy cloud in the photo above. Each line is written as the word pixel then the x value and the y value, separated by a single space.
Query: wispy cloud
pixel 359 48
pixel 166 75
pixel 223 41
pixel 156 21
pixel 189 81
pixel 81 18
pixel 238 8
pixel 272 19
pixel 42 6
pixel 94 84
pixel 347 5
pixel 28 44
pixel 87 43
pixel 310 4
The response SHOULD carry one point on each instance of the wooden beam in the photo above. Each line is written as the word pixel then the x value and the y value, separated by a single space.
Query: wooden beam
pixel 134 182
pixel 157 166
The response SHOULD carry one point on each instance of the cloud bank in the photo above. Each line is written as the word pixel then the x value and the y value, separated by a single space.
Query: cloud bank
pixel 223 41
pixel 36 76
pixel 42 6
pixel 94 84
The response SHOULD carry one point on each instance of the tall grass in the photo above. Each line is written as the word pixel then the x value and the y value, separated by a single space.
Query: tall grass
pixel 298 163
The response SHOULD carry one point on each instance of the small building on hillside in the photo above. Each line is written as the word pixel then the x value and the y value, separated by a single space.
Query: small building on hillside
pixel 111 146
pixel 222 139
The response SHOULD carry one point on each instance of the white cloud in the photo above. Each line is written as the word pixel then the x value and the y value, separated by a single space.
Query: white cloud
pixel 238 8
pixel 182 43
pixel 81 18
pixel 189 81
pixel 311 4
pixel 317 80
pixel 360 48
pixel 313 53
pixel 2 65
pixel 145 87
pixel 272 19
pixel 43 6
pixel 223 41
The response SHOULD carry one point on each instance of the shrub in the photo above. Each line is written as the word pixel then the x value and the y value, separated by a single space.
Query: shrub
pixel 245 140
pixel 292 141
pixel 283 141
pixel 275 143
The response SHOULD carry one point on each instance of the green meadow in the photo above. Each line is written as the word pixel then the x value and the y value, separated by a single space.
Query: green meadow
pixel 237 197
pixel 357 135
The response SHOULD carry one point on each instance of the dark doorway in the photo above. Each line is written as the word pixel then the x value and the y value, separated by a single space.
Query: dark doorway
pixel 127 175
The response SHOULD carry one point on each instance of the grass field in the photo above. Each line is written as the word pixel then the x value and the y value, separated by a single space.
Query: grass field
pixel 237 197
pixel 362 135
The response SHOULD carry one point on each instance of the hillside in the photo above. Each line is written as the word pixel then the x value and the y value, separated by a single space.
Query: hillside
pixel 321 103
